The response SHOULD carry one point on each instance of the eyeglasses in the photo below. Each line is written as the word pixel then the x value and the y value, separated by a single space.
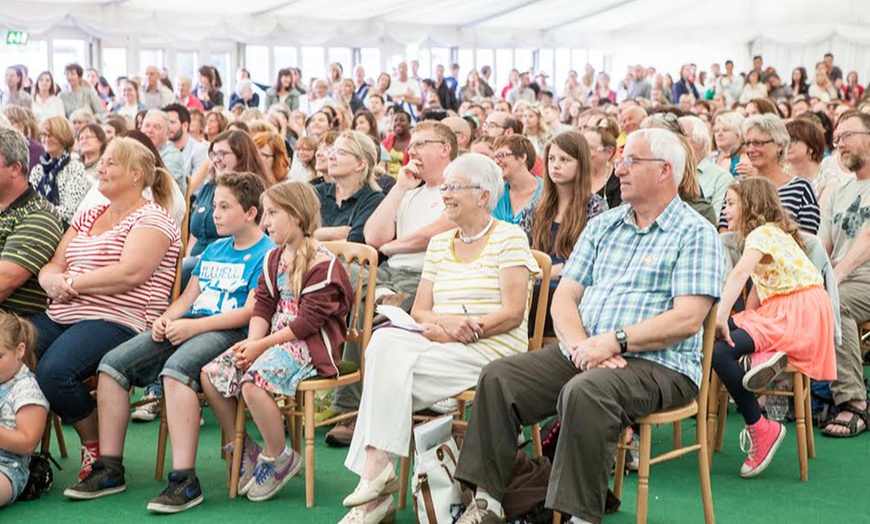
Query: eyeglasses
pixel 419 143
pixel 45 134
pixel 456 186
pixel 630 161
pixel 847 135
pixel 337 152
pixel 757 143
pixel 219 155
pixel 487 125
pixel 501 155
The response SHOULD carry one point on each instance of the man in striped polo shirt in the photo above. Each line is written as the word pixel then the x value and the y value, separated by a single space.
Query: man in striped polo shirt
pixel 29 230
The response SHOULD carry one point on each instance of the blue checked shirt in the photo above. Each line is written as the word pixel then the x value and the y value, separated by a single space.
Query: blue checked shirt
pixel 631 274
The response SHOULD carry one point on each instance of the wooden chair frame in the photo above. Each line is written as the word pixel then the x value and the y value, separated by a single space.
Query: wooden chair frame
pixel 467 396
pixel 300 413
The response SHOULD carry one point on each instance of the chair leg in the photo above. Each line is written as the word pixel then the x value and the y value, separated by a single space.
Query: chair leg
pixel 309 448
pixel 162 437
pixel 678 434
pixel 801 423
pixel 808 409
pixel 61 440
pixel 557 517
pixel 537 445
pixel 404 474
pixel 619 471
pixel 643 472
pixel 296 439
pixel 712 415
pixel 45 446
pixel 238 448
pixel 704 473
pixel 721 415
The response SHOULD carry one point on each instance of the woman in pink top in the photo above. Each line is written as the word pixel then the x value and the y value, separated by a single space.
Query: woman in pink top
pixel 109 279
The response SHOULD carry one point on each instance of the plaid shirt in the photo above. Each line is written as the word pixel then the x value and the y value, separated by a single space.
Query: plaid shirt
pixel 632 274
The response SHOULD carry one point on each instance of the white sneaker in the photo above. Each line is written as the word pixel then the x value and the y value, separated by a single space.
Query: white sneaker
pixel 448 405
pixel 147 412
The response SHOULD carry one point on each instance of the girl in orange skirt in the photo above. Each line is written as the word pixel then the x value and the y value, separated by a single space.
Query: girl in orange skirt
pixel 788 316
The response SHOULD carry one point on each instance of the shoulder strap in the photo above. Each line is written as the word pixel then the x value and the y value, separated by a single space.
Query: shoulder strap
pixel 267 276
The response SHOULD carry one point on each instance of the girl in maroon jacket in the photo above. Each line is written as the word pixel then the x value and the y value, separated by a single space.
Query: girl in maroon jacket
pixel 299 323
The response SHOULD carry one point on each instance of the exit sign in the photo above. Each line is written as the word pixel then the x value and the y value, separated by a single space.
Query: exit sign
pixel 16 37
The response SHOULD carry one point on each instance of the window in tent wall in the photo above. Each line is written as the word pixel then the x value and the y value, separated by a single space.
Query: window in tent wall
pixel 504 62
pixel 596 58
pixel 547 64
pixel 561 66
pixel 523 59
pixel 343 56
pixel 221 62
pixel 114 64
pixel 579 59
pixel 257 63
pixel 313 64
pixel 426 67
pixel 67 52
pixel 149 57
pixel 285 57
pixel 33 55
pixel 370 59
pixel 483 57
pixel 440 56
pixel 466 64
pixel 186 63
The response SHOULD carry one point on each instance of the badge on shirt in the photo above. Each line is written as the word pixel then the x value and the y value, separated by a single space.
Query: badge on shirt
pixel 247 257
pixel 201 210
pixel 648 260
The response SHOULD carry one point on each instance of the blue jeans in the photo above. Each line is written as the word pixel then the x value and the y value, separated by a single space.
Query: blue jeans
pixel 140 361
pixel 69 354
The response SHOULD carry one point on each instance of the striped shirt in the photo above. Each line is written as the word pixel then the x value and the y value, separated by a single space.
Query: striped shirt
pixel 799 199
pixel 137 308
pixel 631 275
pixel 472 286
pixel 29 233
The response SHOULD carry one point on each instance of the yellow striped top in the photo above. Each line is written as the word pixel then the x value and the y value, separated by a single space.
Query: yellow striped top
pixel 474 284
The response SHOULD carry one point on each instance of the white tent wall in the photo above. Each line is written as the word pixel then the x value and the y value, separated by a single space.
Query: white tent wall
pixel 662 34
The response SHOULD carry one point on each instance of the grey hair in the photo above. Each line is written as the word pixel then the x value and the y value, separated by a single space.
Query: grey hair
pixel 160 114
pixel 480 170
pixel 773 126
pixel 665 145
pixel 83 114
pixel 13 147
pixel 700 135
pixel 243 83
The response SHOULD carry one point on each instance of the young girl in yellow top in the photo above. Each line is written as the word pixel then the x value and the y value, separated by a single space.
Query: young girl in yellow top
pixel 788 315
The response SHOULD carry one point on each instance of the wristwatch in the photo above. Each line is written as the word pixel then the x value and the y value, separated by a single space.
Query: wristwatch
pixel 622 339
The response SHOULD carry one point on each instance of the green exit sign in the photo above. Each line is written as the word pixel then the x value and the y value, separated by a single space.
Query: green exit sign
pixel 16 37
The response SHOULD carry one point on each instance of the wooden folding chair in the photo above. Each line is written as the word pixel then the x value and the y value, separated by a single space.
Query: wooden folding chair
pixel 535 342
pixel 301 412
pixel 698 409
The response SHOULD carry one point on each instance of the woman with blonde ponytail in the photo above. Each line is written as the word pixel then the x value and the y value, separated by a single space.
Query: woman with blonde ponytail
pixel 348 201
pixel 297 329
pixel 109 279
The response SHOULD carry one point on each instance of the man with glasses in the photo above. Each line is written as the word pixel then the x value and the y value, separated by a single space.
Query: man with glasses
pixel 845 231
pixel 400 229
pixel 501 123
pixel 628 313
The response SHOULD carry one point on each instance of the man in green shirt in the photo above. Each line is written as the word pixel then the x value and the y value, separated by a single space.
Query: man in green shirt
pixel 30 230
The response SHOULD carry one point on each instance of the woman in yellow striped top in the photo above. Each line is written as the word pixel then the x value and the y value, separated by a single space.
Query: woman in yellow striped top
pixel 472 302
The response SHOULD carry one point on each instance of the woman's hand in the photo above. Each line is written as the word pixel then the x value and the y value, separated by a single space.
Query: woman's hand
pixel 57 288
pixel 246 352
pixel 723 332
pixel 436 333
pixel 461 328
pixel 744 168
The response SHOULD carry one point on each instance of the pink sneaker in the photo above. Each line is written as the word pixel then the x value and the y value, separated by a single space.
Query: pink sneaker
pixel 765 368
pixel 760 440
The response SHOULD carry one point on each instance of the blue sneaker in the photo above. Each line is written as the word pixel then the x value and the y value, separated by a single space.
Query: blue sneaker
pixel 183 492
pixel 100 482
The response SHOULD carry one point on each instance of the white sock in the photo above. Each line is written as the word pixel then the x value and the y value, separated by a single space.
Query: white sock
pixel 491 504
pixel 578 520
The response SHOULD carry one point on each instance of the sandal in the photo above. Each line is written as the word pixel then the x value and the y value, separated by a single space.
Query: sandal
pixel 851 424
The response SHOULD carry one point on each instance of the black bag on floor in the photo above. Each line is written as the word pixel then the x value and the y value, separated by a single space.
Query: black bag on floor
pixel 41 476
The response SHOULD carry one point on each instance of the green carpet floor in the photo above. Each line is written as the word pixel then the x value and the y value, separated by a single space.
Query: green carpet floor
pixel 835 492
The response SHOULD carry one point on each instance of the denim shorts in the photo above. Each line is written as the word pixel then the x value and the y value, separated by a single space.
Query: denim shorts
pixel 16 469
pixel 140 360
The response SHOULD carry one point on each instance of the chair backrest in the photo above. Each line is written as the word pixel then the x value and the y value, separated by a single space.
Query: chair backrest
pixel 185 238
pixel 708 338
pixel 540 313
pixel 365 258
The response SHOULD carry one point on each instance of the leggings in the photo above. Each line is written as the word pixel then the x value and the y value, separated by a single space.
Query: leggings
pixel 726 365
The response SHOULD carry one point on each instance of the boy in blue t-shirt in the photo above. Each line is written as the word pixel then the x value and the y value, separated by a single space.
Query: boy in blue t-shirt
pixel 210 316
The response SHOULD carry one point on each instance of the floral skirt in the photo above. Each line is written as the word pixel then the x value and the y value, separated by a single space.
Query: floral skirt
pixel 276 371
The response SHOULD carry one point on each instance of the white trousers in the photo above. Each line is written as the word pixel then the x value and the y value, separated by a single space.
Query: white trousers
pixel 405 372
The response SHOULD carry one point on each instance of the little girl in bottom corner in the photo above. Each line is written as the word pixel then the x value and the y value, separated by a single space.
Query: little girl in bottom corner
pixel 23 407
pixel 296 332
pixel 788 316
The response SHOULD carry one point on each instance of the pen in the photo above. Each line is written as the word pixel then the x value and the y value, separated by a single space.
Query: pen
pixel 476 334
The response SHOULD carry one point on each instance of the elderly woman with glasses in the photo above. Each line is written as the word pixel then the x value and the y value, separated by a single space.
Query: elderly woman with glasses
pixel 471 306
pixel 60 177
pixel 348 201
pixel 766 142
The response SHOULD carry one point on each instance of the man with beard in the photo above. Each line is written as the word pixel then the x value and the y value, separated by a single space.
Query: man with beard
pixel 156 127
pixel 193 153
pixel 845 231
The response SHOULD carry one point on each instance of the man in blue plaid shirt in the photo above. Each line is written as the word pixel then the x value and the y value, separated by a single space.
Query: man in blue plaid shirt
pixel 628 313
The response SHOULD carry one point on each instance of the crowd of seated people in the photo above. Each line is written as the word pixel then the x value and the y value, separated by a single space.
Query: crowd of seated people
pixel 109 196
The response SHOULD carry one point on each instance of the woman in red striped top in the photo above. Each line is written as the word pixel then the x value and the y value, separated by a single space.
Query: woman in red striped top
pixel 109 279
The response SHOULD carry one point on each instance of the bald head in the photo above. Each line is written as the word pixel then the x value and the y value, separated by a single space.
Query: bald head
pixel 461 129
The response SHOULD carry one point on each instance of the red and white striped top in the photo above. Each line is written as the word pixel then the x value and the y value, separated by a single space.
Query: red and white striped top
pixel 137 308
